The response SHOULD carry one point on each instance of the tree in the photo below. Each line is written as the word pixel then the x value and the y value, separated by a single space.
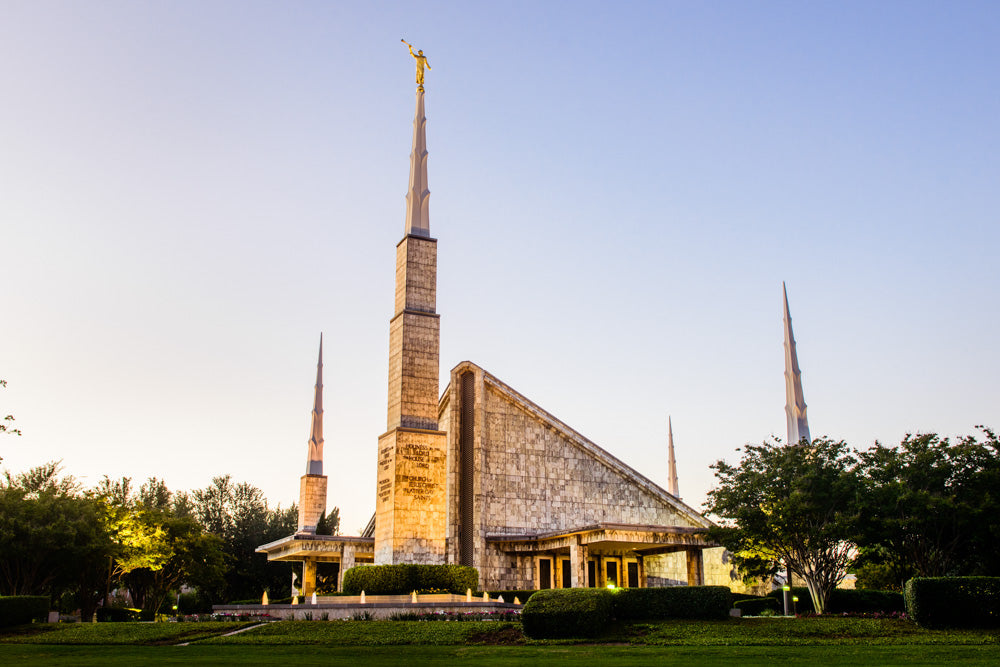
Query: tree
pixel 929 508
pixel 52 538
pixel 186 554
pixel 329 525
pixel 789 505
pixel 240 516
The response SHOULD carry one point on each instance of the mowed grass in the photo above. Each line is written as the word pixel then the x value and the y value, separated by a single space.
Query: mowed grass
pixel 148 634
pixel 498 656
pixel 831 642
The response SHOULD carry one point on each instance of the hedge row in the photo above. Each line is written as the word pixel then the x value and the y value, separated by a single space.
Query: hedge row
pixel 955 602
pixel 403 579
pixel 567 612
pixel 754 607
pixel 846 600
pixel 18 609
pixel 585 612
pixel 672 602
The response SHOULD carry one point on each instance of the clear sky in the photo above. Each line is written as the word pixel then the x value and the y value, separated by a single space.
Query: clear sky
pixel 190 192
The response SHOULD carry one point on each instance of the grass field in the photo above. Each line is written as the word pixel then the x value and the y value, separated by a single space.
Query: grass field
pixel 828 641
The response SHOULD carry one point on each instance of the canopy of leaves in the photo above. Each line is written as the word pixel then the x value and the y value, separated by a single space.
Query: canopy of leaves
pixel 930 507
pixel 792 505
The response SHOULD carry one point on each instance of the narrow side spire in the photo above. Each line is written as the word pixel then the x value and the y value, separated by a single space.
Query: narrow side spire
pixel 672 486
pixel 314 464
pixel 795 402
pixel 418 196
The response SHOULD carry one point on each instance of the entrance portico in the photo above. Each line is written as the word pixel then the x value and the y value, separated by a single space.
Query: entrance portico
pixel 603 554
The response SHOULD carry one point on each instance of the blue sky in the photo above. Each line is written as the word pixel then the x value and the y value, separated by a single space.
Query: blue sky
pixel 191 191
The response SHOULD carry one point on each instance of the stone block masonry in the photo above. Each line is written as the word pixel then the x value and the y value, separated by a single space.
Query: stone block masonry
pixel 410 517
pixel 312 502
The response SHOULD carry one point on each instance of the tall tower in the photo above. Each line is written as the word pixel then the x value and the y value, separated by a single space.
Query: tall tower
pixel 795 403
pixel 672 486
pixel 410 520
pixel 312 488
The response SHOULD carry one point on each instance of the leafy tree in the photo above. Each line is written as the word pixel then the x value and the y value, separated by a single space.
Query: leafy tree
pixel 184 554
pixel 929 508
pixel 240 516
pixel 789 505
pixel 52 538
pixel 155 551
pixel 329 525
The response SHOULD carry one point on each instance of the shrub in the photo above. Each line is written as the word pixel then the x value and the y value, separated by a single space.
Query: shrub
pixel 117 615
pixel 956 602
pixel 757 607
pixel 567 612
pixel 845 601
pixel 403 579
pixel 18 609
pixel 672 602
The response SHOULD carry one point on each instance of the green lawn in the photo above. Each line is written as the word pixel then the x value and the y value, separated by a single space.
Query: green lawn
pixel 827 641
pixel 485 656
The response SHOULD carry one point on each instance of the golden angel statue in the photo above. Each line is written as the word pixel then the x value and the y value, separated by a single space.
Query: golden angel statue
pixel 421 62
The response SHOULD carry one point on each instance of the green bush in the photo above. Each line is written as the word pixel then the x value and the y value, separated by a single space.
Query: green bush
pixel 672 602
pixel 567 612
pixel 117 615
pixel 954 602
pixel 403 579
pixel 18 609
pixel 755 607
pixel 845 601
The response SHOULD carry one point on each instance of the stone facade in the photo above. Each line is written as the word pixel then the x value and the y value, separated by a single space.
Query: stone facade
pixel 312 502
pixel 515 470
pixel 410 517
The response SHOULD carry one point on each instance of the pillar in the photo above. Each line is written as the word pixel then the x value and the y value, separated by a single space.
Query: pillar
pixel 695 568
pixel 578 563
pixel 308 578
pixel 346 563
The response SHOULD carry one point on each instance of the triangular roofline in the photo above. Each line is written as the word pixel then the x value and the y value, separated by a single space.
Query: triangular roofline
pixel 577 439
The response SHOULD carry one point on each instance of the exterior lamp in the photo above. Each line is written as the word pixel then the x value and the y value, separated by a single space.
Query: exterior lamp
pixel 611 586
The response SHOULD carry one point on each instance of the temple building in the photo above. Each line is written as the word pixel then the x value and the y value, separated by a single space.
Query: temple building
pixel 478 474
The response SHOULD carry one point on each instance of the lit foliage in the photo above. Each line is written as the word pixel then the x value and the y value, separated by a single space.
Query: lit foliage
pixel 930 508
pixel 792 506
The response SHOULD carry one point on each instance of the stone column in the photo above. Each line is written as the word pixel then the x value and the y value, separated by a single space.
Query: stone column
pixel 695 568
pixel 346 563
pixel 642 571
pixel 578 563
pixel 308 578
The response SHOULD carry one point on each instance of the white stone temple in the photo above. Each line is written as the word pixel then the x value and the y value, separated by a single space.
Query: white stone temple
pixel 478 474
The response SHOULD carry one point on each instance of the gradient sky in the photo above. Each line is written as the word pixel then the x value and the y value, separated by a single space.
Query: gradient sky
pixel 191 191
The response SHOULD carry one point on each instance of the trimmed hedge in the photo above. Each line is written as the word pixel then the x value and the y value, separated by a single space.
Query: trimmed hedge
pixel 703 602
pixel 567 612
pixel 754 607
pixel 18 609
pixel 403 579
pixel 846 601
pixel 954 602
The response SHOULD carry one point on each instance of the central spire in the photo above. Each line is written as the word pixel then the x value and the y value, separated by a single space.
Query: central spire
pixel 418 196
pixel 795 402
